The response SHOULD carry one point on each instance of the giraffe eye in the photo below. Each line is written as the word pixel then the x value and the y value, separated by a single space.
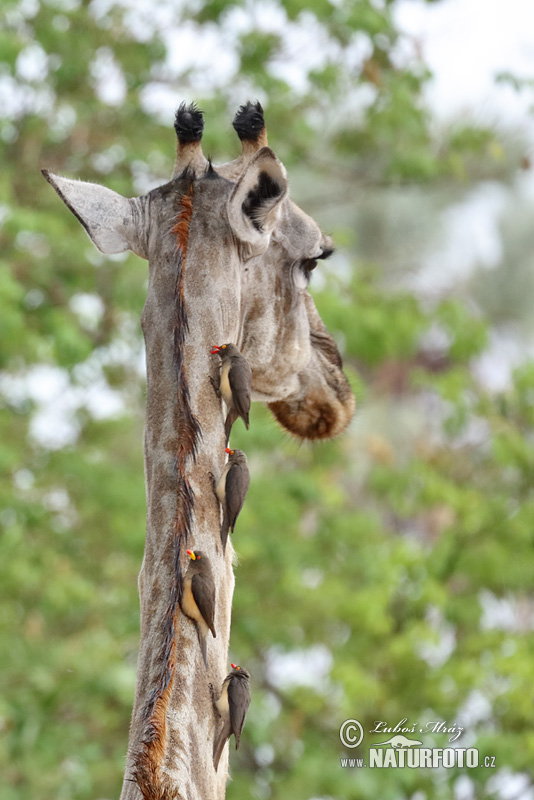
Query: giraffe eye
pixel 326 253
pixel 303 272
pixel 308 265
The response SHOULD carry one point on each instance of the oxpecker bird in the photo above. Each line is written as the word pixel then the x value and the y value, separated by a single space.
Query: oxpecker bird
pixel 232 490
pixel 232 706
pixel 235 384
pixel 198 599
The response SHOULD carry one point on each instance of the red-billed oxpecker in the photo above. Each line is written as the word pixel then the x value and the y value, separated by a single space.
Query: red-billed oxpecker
pixel 231 490
pixel 235 384
pixel 232 706
pixel 198 599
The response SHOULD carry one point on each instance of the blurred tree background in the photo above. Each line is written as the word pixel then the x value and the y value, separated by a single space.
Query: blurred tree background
pixel 384 575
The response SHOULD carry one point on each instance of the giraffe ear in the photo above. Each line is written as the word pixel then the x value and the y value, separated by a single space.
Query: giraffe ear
pixel 112 221
pixel 254 205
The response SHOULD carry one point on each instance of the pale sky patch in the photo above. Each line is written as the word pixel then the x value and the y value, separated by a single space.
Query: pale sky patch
pixel 466 43
pixel 310 667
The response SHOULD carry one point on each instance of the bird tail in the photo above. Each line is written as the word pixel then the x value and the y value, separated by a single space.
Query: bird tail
pixel 224 531
pixel 230 419
pixel 203 644
pixel 218 746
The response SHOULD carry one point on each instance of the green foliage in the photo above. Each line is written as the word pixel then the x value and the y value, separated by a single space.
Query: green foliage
pixel 379 545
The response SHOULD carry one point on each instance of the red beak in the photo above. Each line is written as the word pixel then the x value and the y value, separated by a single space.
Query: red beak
pixel 215 349
pixel 234 666
pixel 227 450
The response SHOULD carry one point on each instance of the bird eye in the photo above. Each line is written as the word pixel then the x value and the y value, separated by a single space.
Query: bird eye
pixel 223 346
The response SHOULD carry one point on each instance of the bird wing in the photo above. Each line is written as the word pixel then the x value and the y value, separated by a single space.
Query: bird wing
pixel 240 378
pixel 238 702
pixel 237 483
pixel 203 590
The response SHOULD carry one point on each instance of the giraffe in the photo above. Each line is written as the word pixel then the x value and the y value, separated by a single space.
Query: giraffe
pixel 230 255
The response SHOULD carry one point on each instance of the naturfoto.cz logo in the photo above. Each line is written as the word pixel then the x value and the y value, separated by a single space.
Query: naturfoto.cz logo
pixel 402 751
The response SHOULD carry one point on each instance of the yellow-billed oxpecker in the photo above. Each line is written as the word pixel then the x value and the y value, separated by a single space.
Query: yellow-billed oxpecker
pixel 235 384
pixel 232 490
pixel 198 599
pixel 232 706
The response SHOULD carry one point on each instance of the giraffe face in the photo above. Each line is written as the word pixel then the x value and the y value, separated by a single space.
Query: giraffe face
pixel 246 257
pixel 295 362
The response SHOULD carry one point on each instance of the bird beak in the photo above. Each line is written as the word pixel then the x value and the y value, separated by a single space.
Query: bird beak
pixel 234 666
pixel 227 450
pixel 191 555
pixel 215 349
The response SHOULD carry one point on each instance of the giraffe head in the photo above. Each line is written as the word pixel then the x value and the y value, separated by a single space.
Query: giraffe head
pixel 249 252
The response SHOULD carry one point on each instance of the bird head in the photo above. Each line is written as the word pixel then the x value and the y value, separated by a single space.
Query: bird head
pixel 195 555
pixel 237 456
pixel 222 350
pixel 240 670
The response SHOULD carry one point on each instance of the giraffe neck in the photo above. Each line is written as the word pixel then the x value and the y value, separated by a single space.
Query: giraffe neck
pixel 184 441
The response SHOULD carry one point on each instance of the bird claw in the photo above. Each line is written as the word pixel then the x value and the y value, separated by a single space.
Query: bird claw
pixel 214 697
pixel 216 386
pixel 213 482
